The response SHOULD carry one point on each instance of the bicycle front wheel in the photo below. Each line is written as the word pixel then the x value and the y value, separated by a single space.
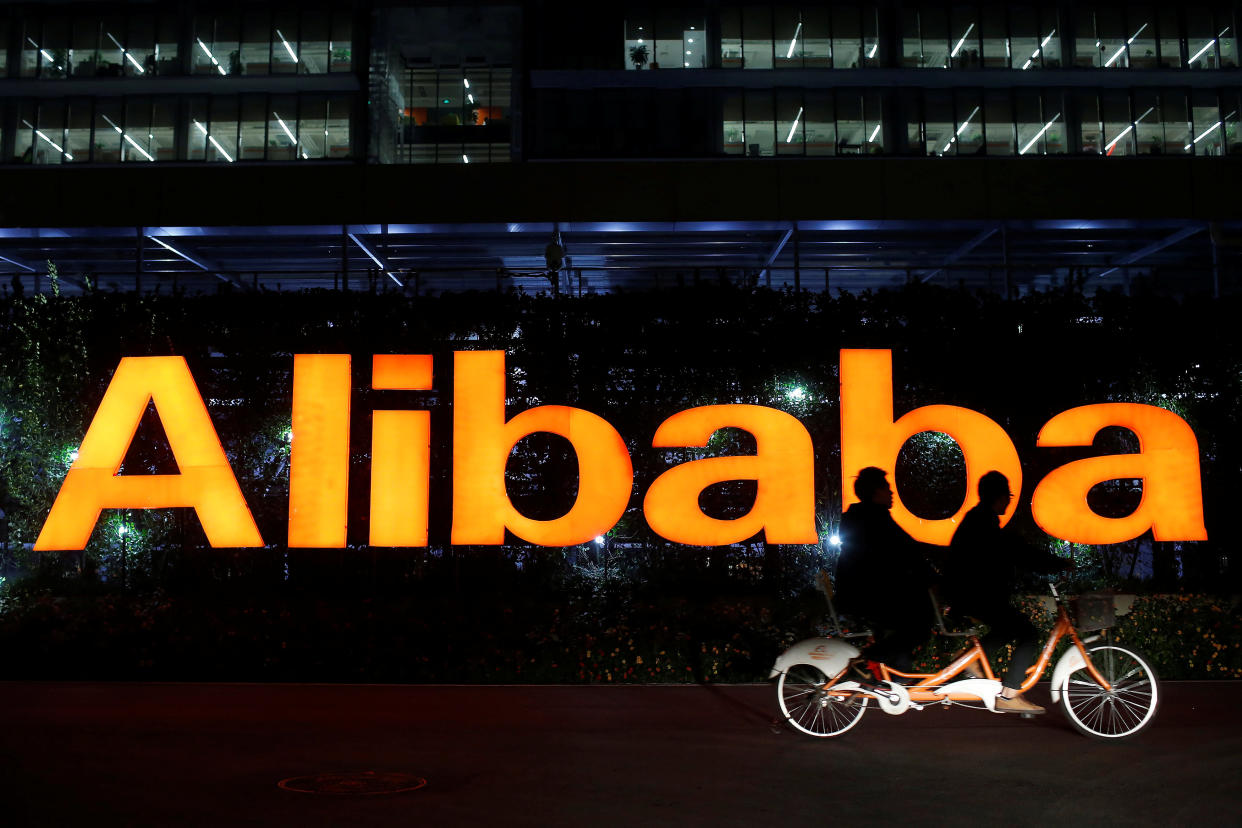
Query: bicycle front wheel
pixel 1122 711
pixel 810 705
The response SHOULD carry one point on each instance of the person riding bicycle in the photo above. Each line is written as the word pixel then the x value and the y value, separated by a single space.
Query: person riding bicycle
pixel 883 574
pixel 980 572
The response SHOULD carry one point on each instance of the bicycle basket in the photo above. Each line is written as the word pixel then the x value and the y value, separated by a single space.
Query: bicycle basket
pixel 1094 611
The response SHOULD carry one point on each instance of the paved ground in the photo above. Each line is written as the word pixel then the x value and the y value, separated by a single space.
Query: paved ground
pixel 211 755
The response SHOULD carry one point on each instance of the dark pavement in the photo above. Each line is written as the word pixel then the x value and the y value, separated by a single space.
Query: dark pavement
pixel 212 754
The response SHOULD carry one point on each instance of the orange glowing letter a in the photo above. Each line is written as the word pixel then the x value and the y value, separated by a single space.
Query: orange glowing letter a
pixel 1167 462
pixel 483 440
pixel 783 466
pixel 205 480
pixel 869 437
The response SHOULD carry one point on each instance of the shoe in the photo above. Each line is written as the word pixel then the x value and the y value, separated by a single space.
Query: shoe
pixel 1017 705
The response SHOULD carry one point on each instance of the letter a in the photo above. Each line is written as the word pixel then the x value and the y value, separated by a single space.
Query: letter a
pixel 205 481
pixel 1167 462
pixel 869 437
pixel 483 440
pixel 783 465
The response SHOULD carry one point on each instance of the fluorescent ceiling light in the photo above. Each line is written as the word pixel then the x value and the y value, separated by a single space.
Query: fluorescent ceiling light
pixel 956 48
pixel 1202 135
pixel 972 114
pixel 219 148
pixel 874 46
pixel 1039 134
pixel 280 121
pixel 207 52
pixel 1117 54
pixel 466 81
pixel 874 133
pixel 793 43
pixel 465 159
pixel 1109 146
pixel 1035 53
pixel 288 48
pixel 794 126
pixel 135 145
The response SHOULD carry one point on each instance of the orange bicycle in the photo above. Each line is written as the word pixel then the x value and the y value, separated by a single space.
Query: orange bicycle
pixel 1107 689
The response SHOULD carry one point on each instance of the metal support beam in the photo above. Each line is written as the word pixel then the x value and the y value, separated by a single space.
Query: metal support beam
pixel 374 256
pixel 1143 252
pixel 964 250
pixel 776 252
pixel 198 261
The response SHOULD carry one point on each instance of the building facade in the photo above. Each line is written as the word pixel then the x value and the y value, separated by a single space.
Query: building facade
pixel 820 146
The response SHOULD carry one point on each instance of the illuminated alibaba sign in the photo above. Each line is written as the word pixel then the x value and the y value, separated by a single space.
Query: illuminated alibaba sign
pixel 782 465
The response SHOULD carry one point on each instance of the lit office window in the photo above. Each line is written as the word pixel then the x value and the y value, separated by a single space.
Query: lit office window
pixel 315 35
pixel 78 131
pixel 216 45
pixel 1141 45
pixel 41 133
pixel 336 126
pixel 734 125
pixel 45 48
pixel 938 123
pixel 1117 125
pixel 1161 123
pixel 256 42
pixel 760 123
pixel 925 38
pixel 994 36
pixel 1203 37
pixel 998 123
pixel 855 36
pixel 4 48
pixel 757 43
pixel 665 38
pixel 342 42
pixel 1035 38
pixel 790 125
pixel 820 124
pixel 1091 136
pixel 968 133
pixel 1040 124
pixel 282 128
pixel 138 56
pixel 859 123
pixel 252 128
pixel 790 37
pixel 965 49
pixel 221 130
pixel 147 132
pixel 1206 123
pixel 109 131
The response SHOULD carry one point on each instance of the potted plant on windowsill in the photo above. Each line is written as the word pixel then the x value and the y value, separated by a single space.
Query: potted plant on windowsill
pixel 639 55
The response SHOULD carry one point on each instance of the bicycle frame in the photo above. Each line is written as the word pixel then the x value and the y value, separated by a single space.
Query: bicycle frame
pixel 927 683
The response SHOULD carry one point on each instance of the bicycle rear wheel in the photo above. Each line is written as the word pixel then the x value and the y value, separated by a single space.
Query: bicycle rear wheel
pixel 810 706
pixel 1123 711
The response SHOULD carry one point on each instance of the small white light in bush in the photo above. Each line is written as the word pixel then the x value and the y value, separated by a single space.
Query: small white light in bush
pixel 835 540
pixel 599 539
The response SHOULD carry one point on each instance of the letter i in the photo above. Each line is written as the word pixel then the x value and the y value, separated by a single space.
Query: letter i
pixel 319 455
pixel 400 454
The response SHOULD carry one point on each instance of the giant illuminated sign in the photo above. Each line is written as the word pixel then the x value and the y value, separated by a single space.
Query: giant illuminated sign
pixel 483 438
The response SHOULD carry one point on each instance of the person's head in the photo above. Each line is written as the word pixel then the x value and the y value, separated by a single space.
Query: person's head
pixel 994 492
pixel 871 486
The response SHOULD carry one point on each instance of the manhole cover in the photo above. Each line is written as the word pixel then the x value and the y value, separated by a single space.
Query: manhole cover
pixel 353 783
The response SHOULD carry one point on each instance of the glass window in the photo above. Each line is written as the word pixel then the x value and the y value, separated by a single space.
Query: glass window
pixel 1041 129
pixel 166 59
pixel 816 37
pixel 760 123
pixel 730 38
pixel 78 132
pixel 1175 114
pixel 734 137
pixel 222 130
pixel 256 44
pixel 994 38
pixel 139 53
pixel 968 135
pixel 847 37
pixel 148 134
pixel 965 32
pixel 859 123
pixel 217 48
pixel 196 130
pixel 790 127
pixel 871 35
pixel 1091 138
pixel 1227 37
pixel 24 145
pixel 934 37
pixel 1141 46
pixel 342 42
pixel 911 45
pixel 53 50
pixel 4 48
pixel 938 123
pixel 282 128
pixel 1036 42
pixel 790 37
pixel 1148 123
pixel 639 42
pixel 1230 104
pixel 108 132
pixel 757 37
pixel 1206 121
pixel 316 38
pixel 312 121
pixel 336 131
pixel 1201 38
pixel 252 128
pixel 1118 129
pixel 1088 47
pixel 820 127
pixel 998 123
pixel 85 60
pixel 49 146
pixel 1112 38
pixel 1170 38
